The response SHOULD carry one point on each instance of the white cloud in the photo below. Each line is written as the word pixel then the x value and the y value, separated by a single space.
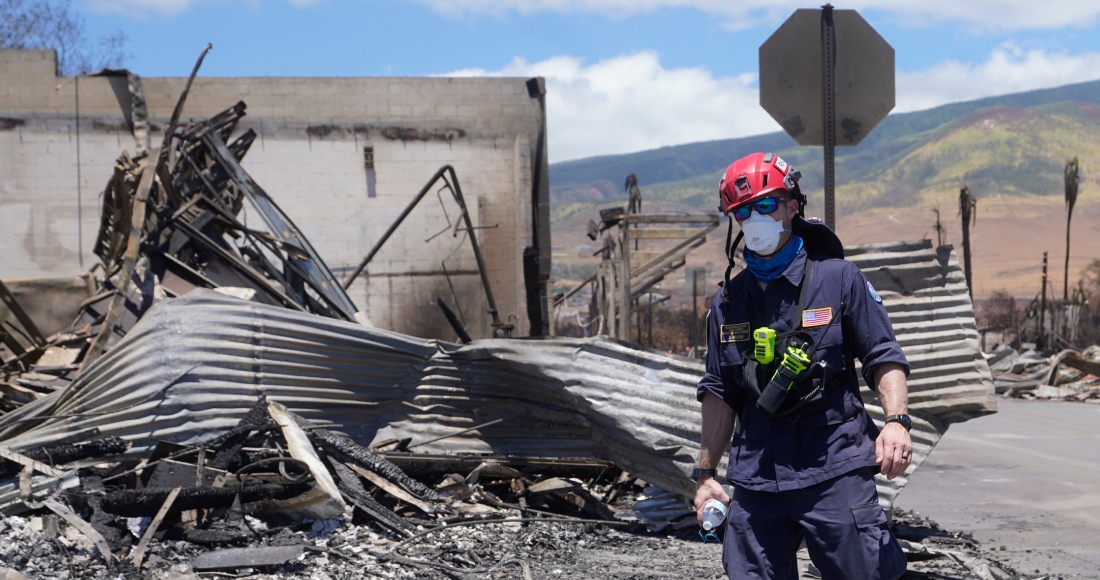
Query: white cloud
pixel 631 103
pixel 980 14
pixel 1007 70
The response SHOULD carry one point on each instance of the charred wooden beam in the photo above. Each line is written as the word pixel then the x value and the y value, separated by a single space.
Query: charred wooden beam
pixel 434 465
pixel 345 449
pixel 353 490
pixel 133 503
pixel 26 464
pixel 66 453
pixel 227 447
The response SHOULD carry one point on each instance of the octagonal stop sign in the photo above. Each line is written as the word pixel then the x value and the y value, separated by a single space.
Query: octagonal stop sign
pixel 792 77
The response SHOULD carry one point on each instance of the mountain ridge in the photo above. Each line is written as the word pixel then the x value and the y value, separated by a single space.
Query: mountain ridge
pixel 589 181
pixel 901 183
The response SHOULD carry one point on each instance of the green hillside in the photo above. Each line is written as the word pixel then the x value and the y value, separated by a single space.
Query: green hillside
pixel 1011 144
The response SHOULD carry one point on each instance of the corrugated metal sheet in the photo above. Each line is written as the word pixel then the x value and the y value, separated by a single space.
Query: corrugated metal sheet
pixel 925 294
pixel 194 365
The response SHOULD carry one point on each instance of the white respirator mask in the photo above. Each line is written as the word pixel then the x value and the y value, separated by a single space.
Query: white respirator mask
pixel 762 233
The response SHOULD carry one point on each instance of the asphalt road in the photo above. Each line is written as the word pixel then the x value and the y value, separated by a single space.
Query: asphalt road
pixel 1026 478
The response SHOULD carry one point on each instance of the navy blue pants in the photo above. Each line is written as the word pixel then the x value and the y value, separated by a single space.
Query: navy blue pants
pixel 845 531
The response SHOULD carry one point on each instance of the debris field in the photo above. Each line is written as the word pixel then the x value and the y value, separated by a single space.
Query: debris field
pixel 154 437
pixel 1069 375
pixel 277 496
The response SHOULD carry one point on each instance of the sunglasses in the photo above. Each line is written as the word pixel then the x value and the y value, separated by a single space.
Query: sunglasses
pixel 763 207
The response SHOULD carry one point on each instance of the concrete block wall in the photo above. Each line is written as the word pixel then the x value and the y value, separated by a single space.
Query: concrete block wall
pixel 56 156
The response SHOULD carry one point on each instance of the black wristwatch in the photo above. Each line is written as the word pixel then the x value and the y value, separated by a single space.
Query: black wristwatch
pixel 903 419
pixel 698 473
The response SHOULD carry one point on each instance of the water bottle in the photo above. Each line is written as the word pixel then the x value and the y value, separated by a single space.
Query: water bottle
pixel 714 512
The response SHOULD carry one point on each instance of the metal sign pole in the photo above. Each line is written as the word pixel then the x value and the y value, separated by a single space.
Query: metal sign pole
pixel 828 64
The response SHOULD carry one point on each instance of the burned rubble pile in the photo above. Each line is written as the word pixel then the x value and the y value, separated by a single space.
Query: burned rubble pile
pixel 1069 375
pixel 497 522
pixel 277 489
pixel 934 552
pixel 280 496
pixel 171 222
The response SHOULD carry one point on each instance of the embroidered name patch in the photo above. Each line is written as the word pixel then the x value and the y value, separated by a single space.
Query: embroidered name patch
pixel 874 295
pixel 817 317
pixel 735 332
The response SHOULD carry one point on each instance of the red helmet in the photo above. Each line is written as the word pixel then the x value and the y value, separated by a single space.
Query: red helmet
pixel 756 176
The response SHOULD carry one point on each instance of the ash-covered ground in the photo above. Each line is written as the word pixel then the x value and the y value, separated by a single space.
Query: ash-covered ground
pixel 339 548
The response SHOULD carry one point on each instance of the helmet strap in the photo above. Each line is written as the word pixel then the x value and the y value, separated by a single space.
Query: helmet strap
pixel 801 199
pixel 730 250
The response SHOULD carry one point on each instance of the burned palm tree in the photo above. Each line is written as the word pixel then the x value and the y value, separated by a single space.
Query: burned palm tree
pixel 1073 177
pixel 631 188
pixel 968 211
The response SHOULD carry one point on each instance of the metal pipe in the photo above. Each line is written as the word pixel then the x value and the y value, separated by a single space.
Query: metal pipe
pixel 498 328
pixel 170 130
pixel 570 293
pixel 79 185
pixel 381 241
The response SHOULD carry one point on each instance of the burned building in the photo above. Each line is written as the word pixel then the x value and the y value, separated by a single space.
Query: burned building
pixel 344 156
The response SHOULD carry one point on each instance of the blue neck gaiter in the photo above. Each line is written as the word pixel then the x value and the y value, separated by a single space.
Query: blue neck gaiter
pixel 768 270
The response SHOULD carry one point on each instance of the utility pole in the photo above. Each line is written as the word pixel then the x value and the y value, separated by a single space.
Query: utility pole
pixel 1042 307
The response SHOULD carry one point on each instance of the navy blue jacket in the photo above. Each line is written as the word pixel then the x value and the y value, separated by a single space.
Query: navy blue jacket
pixel 836 435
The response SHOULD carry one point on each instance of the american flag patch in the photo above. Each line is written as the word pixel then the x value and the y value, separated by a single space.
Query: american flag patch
pixel 817 317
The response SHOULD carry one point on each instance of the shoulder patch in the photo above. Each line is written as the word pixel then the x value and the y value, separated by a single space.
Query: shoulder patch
pixel 874 295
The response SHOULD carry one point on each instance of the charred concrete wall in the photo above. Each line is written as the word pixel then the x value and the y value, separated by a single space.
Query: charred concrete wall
pixel 342 157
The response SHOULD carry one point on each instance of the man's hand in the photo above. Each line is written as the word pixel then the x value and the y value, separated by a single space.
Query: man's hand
pixel 707 489
pixel 893 448
pixel 716 433
pixel 893 451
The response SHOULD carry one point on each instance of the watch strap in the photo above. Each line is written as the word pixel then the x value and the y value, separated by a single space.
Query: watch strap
pixel 901 418
pixel 698 473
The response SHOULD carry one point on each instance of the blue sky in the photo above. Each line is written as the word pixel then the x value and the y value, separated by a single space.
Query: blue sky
pixel 622 75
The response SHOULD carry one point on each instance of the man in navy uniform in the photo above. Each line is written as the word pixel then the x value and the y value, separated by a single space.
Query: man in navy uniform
pixel 782 337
